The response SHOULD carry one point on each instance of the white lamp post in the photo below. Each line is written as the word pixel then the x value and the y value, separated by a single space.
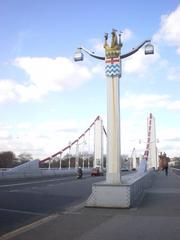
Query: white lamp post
pixel 113 73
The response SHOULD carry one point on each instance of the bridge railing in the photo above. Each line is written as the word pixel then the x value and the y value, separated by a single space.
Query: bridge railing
pixel 176 171
pixel 41 172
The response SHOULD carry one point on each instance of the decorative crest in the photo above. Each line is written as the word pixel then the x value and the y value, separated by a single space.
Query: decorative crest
pixel 114 49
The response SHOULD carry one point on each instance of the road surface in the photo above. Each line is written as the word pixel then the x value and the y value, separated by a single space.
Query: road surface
pixel 25 201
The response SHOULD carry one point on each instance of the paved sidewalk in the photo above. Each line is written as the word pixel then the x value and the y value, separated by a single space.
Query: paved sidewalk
pixel 156 218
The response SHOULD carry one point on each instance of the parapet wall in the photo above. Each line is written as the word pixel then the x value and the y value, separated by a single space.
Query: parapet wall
pixel 138 186
pixel 176 171
pixel 31 170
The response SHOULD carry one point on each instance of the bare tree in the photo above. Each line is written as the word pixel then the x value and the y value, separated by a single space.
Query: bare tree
pixel 7 159
pixel 24 157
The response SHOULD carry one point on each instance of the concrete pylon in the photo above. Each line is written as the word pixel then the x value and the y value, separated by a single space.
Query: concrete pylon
pixel 152 148
pixel 98 143
pixel 113 131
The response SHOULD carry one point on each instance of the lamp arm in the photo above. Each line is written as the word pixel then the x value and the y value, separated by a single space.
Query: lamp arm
pixel 122 56
pixel 134 49
pixel 91 53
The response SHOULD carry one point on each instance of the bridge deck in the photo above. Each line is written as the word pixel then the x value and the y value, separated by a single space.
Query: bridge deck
pixel 156 217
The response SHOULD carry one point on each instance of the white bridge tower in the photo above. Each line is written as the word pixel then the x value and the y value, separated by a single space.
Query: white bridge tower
pixel 151 148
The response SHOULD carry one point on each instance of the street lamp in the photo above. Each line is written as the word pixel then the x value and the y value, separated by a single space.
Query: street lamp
pixel 78 56
pixel 149 49
pixel 112 60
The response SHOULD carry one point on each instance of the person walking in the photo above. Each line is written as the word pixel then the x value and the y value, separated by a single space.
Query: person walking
pixel 79 173
pixel 166 169
pixel 165 163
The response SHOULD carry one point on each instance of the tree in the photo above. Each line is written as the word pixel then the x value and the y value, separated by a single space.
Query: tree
pixel 7 159
pixel 24 157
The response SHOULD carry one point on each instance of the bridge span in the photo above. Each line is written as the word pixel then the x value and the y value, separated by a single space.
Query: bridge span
pixel 156 216
pixel 58 204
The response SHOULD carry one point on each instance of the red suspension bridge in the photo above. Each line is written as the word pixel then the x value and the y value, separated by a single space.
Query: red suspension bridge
pixel 95 133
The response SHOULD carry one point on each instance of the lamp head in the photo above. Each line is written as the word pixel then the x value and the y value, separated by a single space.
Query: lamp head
pixel 149 49
pixel 78 56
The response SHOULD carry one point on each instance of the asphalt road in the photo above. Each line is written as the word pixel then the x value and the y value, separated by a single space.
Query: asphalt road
pixel 25 201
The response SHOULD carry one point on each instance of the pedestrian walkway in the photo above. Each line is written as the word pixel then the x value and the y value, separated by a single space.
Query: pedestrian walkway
pixel 156 217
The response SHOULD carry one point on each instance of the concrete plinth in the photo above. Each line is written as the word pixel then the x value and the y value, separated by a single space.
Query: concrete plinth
pixel 109 195
pixel 122 195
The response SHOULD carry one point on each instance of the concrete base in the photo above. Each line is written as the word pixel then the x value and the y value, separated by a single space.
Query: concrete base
pixel 108 195
pixel 120 195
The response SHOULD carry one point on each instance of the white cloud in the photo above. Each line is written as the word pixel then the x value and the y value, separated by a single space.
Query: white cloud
pixel 174 74
pixel 7 90
pixel 45 75
pixel 98 45
pixel 30 92
pixel 47 138
pixel 99 69
pixel 5 135
pixel 144 101
pixel 25 125
pixel 41 140
pixel 126 34
pixel 139 63
pixel 174 105
pixel 169 29
pixel 5 126
pixel 169 141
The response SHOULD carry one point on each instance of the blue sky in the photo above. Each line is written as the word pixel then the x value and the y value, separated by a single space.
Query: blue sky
pixel 47 100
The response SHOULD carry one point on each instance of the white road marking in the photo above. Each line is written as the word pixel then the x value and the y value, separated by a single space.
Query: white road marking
pixel 33 182
pixel 74 208
pixel 41 181
pixel 22 212
pixel 28 227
